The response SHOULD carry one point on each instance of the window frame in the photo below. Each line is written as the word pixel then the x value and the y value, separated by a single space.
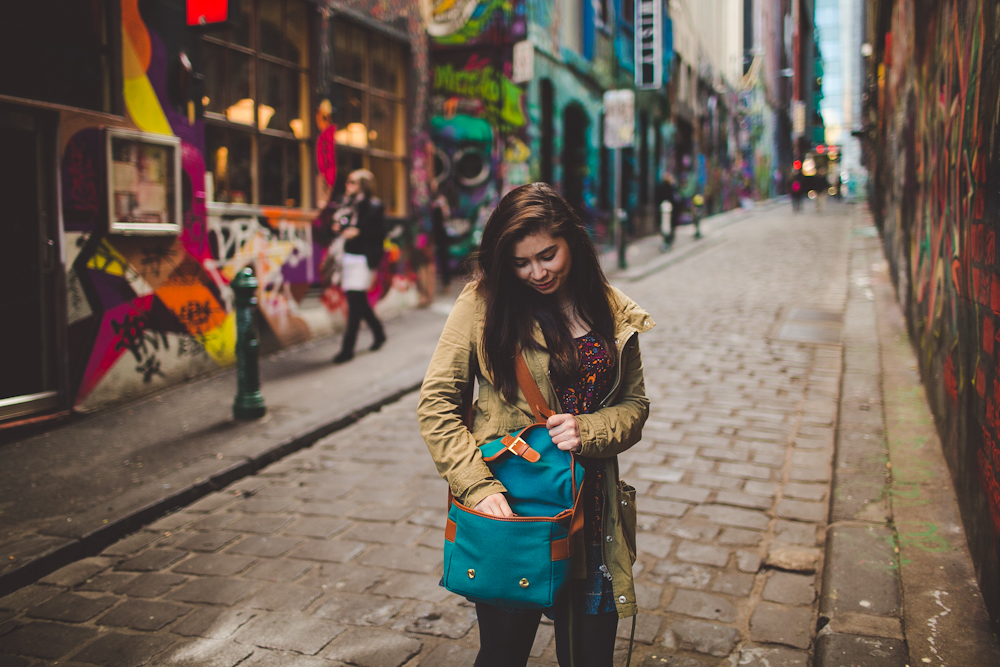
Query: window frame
pixel 400 99
pixel 306 75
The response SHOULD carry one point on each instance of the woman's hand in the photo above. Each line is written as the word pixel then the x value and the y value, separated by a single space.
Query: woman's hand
pixel 494 505
pixel 350 233
pixel 565 432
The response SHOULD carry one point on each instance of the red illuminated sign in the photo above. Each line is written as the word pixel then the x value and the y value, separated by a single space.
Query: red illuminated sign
pixel 797 164
pixel 205 12
pixel 821 149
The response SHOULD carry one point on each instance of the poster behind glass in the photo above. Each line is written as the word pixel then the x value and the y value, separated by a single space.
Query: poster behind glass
pixel 143 183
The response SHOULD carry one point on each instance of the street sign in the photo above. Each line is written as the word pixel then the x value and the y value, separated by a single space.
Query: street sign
pixel 524 62
pixel 798 118
pixel 212 13
pixel 649 44
pixel 619 118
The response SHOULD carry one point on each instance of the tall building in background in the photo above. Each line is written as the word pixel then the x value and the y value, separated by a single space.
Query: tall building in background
pixel 839 25
pixel 766 90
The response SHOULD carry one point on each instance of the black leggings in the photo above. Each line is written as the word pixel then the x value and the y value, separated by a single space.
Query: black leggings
pixel 358 308
pixel 505 638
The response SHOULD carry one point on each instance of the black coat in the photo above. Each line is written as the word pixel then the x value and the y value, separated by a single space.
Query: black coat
pixel 370 240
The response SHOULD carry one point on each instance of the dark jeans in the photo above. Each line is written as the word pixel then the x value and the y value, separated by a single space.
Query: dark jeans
pixel 358 308
pixel 505 638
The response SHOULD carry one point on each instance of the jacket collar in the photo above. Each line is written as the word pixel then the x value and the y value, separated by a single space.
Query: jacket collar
pixel 630 318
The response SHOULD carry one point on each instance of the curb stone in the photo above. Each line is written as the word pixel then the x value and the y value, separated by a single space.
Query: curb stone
pixel 93 542
pixel 861 573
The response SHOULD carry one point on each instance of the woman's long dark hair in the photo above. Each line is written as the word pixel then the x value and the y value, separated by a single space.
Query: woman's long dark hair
pixel 512 307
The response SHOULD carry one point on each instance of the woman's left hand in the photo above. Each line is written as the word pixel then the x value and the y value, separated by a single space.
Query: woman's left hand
pixel 350 233
pixel 565 432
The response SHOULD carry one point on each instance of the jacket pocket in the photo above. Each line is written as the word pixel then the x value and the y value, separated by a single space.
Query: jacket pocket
pixel 627 513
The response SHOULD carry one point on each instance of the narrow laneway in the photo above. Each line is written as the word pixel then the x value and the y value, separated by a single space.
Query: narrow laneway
pixel 335 552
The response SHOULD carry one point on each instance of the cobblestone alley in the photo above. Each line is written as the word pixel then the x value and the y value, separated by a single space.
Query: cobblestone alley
pixel 333 554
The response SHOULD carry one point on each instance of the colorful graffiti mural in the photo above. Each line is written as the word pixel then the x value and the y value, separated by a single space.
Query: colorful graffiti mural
pixel 478 116
pixel 146 312
pixel 936 201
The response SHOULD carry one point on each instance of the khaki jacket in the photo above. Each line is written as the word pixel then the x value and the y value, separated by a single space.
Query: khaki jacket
pixel 612 429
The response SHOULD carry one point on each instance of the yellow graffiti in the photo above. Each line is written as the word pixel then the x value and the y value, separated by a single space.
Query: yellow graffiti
pixel 134 28
pixel 140 98
pixel 517 151
pixel 220 343
pixel 107 259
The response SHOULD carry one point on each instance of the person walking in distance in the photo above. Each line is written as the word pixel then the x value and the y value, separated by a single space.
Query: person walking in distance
pixel 363 230
pixel 440 212
pixel 666 195
pixel 539 288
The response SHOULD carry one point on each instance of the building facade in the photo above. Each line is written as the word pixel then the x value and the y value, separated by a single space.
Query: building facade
pixel 156 154
pixel 516 96
pixel 157 159
pixel 840 24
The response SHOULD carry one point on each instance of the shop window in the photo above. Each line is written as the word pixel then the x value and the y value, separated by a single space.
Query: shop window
pixel 370 90
pixel 257 120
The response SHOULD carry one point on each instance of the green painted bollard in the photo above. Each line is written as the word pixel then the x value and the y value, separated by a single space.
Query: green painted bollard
pixel 249 403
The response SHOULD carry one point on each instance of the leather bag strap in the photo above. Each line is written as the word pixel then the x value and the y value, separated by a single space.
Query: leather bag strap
pixel 539 407
pixel 467 392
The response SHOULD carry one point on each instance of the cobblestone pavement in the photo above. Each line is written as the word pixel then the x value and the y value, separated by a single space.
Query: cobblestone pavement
pixel 333 554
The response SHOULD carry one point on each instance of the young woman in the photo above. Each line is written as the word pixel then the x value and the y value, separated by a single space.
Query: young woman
pixel 364 234
pixel 540 289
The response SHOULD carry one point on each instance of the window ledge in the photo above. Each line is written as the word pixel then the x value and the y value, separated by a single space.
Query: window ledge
pixel 254 210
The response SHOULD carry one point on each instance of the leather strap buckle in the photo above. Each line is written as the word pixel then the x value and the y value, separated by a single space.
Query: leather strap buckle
pixel 518 446
pixel 515 442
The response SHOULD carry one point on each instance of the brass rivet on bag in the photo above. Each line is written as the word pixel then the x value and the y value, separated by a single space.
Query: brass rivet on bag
pixel 524 583
pixel 609 538
pixel 472 574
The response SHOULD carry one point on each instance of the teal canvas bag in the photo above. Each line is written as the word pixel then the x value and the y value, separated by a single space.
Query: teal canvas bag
pixel 523 561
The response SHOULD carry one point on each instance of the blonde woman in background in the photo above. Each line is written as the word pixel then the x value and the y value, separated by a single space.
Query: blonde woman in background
pixel 363 229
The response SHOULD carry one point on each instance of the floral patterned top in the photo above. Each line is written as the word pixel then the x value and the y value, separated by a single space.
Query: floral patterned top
pixel 594 594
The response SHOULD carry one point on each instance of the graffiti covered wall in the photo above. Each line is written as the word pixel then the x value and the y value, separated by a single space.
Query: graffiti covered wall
pixel 145 312
pixel 937 197
pixel 477 115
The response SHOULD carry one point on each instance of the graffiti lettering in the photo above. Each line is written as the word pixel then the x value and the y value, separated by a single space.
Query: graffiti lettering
pixel 153 258
pixel 241 240
pixel 195 314
pixel 281 253
pixel 189 346
pixel 136 336
pixel 483 84
pixel 149 368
